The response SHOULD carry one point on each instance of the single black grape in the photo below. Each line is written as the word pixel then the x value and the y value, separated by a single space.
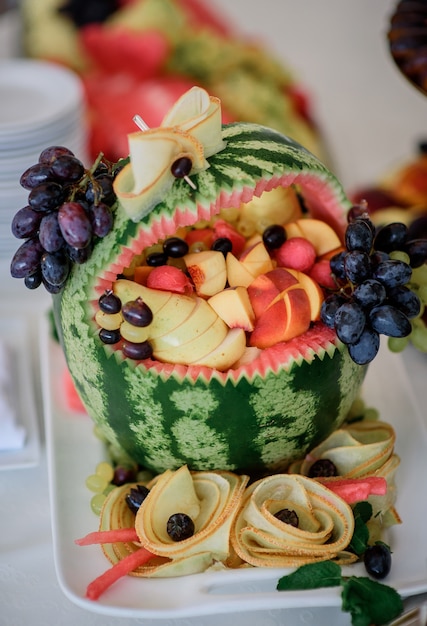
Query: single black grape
pixel 101 218
pixel 329 307
pixel 26 259
pixel 337 264
pixel 405 300
pixel 387 320
pixel 156 259
pixel 350 321
pixel 33 281
pixel 26 222
pixel 67 168
pixel 416 249
pixel 137 312
pixel 82 12
pixel 370 293
pixel 288 516
pixel 109 337
pixel 274 236
pixel 393 272
pixel 48 155
pixel 377 257
pixel 377 560
pixel 52 289
pixel 100 189
pixel 222 244
pixel 322 467
pixel 75 224
pixel 137 351
pixel 418 228
pixel 365 349
pixel 123 475
pixel 180 526
pixel 181 167
pixel 35 175
pixel 357 266
pixel 391 237
pixel 175 247
pixel 55 267
pixel 50 234
pixel 110 303
pixel 79 255
pixel 358 212
pixel 358 236
pixel 136 497
pixel 46 197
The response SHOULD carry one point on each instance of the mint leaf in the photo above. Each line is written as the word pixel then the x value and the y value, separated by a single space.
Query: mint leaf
pixel 311 576
pixel 362 513
pixel 363 510
pixel 370 602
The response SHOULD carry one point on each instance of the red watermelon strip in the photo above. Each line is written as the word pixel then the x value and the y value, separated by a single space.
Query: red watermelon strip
pixel 127 565
pixel 354 490
pixel 108 536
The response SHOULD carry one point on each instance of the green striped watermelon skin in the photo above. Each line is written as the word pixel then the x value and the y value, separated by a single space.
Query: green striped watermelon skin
pixel 167 416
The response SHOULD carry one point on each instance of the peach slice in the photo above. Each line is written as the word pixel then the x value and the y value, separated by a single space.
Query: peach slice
pixel 265 288
pixel 256 259
pixel 288 317
pixel 314 292
pixel 237 274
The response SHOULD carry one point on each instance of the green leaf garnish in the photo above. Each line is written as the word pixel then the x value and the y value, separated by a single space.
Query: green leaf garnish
pixel 362 513
pixel 370 602
pixel 311 576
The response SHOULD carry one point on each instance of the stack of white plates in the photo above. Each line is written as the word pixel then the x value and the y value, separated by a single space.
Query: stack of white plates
pixel 41 105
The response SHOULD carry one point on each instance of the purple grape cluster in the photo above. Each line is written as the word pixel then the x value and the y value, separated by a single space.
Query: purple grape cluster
pixel 373 296
pixel 68 208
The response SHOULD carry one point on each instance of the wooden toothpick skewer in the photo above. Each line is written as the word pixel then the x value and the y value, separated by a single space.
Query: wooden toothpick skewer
pixel 143 126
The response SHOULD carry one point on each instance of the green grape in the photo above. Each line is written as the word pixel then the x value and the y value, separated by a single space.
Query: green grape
pixel 419 336
pixel 397 344
pixel 399 255
pixel 97 502
pixel 419 274
pixel 371 414
pixel 96 483
pixel 144 476
pixel 105 470
pixel 422 293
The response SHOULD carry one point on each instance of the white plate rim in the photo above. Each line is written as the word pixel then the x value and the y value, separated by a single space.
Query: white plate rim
pixel 208 593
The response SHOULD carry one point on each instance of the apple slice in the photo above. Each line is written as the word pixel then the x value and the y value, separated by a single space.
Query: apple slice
pixel 321 235
pixel 277 206
pixel 173 349
pixel 234 307
pixel 128 290
pixel 237 274
pixel 207 270
pixel 256 259
pixel 227 353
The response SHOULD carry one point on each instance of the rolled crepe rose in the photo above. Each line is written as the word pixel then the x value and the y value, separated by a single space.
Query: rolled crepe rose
pixel 325 523
pixel 210 499
pixel 361 449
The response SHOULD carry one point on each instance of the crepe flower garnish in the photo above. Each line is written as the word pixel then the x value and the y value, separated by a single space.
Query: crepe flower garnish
pixel 182 526
pixel 359 450
pixel 189 134
pixel 290 520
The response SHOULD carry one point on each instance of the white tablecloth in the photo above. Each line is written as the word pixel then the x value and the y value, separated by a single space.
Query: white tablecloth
pixel 372 118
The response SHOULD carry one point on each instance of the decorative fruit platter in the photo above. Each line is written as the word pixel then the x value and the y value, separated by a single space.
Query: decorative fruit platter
pixel 73 450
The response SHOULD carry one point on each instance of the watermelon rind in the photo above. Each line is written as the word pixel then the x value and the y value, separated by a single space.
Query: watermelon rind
pixel 259 417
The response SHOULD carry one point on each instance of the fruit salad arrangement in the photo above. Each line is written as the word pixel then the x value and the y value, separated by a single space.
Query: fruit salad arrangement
pixel 218 328
pixel 142 55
